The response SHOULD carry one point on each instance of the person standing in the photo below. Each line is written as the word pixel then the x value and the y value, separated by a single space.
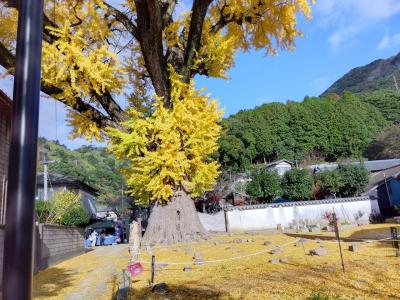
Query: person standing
pixel 94 238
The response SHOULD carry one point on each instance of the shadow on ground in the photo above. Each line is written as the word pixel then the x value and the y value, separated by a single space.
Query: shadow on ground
pixel 373 234
pixel 45 285
pixel 180 292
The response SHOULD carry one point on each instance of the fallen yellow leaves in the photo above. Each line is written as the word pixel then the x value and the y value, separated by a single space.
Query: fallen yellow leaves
pixel 371 273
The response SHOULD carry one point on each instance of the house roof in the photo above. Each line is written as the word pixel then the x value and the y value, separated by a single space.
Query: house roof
pixel 379 165
pixel 378 178
pixel 5 102
pixel 64 180
pixel 274 163
pixel 104 208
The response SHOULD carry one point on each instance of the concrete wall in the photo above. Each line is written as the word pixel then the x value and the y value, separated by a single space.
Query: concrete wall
pixel 54 244
pixel 261 217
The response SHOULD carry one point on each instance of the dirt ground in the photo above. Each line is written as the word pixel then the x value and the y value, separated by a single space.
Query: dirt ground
pixel 237 266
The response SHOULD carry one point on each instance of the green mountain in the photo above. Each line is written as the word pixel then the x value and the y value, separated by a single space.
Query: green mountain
pixel 94 166
pixel 320 128
pixel 376 75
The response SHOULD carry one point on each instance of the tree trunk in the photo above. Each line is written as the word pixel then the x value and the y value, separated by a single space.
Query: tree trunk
pixel 175 222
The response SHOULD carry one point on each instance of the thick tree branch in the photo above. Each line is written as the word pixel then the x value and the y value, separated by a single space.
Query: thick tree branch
pixel 101 120
pixel 47 36
pixel 167 9
pixel 226 19
pixel 199 11
pixel 116 114
pixel 123 19
pixel 150 25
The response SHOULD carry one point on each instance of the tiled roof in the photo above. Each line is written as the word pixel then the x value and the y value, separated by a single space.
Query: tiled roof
pixel 58 179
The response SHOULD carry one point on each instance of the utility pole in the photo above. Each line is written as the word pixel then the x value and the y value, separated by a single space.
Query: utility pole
pixel 395 83
pixel 18 240
pixel 122 198
pixel 45 164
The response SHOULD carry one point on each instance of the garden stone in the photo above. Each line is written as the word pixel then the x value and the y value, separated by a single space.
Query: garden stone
pixel 300 242
pixel 249 240
pixel 267 243
pixel 187 269
pixel 198 262
pixel 398 253
pixel 161 266
pixel 354 247
pixel 274 261
pixel 198 255
pixel 237 241
pixel 321 251
pixel 160 288
pixel 216 243
pixel 276 250
pixel 284 260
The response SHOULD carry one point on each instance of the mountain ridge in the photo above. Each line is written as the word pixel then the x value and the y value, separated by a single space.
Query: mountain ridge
pixel 376 75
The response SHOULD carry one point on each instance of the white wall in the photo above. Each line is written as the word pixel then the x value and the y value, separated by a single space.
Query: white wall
pixel 311 212
pixel 214 222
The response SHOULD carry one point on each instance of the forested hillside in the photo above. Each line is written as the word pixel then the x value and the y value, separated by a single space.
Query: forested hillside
pixel 325 128
pixel 94 166
pixel 386 101
pixel 374 76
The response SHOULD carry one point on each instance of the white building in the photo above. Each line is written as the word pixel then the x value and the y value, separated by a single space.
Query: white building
pixel 280 166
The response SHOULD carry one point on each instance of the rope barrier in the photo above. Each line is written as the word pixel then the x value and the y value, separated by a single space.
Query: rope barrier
pixel 225 259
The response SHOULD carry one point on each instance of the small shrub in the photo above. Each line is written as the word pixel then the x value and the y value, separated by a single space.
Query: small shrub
pixel 43 210
pixel 264 186
pixel 297 185
pixel 64 208
pixel 319 296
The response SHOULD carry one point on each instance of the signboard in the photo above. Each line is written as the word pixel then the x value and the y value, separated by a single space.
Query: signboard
pixel 135 269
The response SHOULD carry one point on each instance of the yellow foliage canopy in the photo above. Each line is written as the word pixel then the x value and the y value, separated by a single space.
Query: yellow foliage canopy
pixel 170 149
pixel 95 51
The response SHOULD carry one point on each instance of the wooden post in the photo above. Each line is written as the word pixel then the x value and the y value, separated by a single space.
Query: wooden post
pixel 395 242
pixel 335 225
pixel 153 260
pixel 226 220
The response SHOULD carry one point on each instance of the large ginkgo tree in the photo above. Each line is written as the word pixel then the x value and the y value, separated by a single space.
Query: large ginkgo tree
pixel 146 54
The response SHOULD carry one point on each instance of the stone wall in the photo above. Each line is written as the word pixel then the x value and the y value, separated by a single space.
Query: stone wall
pixel 54 244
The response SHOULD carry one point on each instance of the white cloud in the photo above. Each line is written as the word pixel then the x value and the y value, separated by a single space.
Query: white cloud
pixel 389 41
pixel 348 18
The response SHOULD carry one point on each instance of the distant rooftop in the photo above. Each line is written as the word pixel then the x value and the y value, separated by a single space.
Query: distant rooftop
pixel 64 180
pixel 274 163
pixel 379 165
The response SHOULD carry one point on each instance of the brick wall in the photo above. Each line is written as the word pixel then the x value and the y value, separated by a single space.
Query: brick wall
pixel 54 244
pixel 5 135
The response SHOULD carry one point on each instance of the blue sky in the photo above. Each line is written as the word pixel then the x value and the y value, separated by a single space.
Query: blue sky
pixel 343 34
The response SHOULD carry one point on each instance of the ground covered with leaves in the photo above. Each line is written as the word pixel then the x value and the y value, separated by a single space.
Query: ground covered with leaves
pixel 237 266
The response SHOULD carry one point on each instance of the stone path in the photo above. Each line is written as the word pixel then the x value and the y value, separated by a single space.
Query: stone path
pixel 94 275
